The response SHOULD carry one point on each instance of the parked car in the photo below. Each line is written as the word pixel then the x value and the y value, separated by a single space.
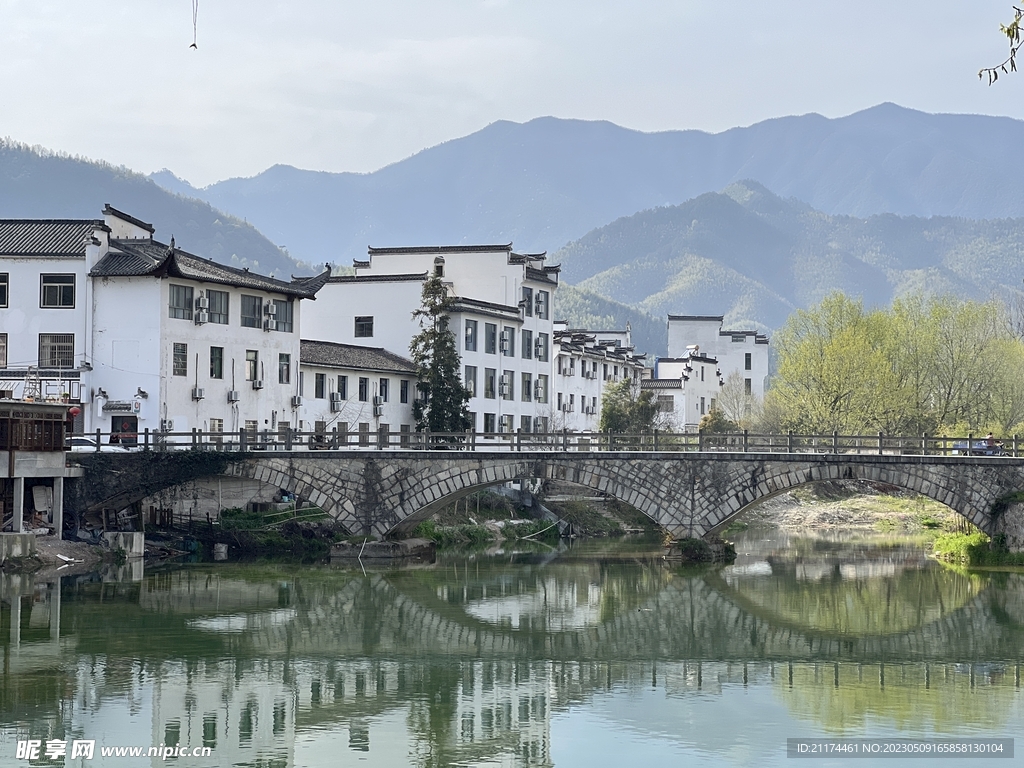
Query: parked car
pixel 83 444
pixel 978 448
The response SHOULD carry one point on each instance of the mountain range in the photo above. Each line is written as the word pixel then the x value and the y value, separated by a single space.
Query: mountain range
pixel 38 184
pixel 549 181
pixel 755 257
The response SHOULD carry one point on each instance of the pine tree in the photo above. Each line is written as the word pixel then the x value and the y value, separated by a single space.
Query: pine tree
pixel 443 402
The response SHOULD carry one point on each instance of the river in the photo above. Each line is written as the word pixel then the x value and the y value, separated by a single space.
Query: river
pixel 597 655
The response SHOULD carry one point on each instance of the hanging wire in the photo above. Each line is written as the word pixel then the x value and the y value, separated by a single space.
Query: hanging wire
pixel 195 28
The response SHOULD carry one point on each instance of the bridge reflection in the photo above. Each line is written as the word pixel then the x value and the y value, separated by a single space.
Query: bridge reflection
pixel 469 661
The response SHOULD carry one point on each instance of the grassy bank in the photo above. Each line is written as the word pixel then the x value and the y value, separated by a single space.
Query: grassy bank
pixel 976 550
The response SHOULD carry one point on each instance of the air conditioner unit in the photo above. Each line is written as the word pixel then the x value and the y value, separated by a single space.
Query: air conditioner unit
pixel 504 342
pixel 257 384
pixel 336 406
pixel 233 396
pixel 269 325
pixel 538 305
pixel 296 401
pixel 539 349
pixel 202 317
pixel 335 397
pixel 198 393
pixel 270 308
pixel 378 400
pixel 538 390
pixel 166 425
pixel 202 303
pixel 378 410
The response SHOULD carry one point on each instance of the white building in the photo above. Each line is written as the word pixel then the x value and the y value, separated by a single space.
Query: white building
pixel 742 352
pixel 585 363
pixel 45 296
pixel 501 317
pixel 351 392
pixel 180 342
pixel 685 388
pixel 144 335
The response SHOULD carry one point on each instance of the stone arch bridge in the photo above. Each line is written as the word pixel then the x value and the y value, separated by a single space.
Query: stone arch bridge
pixel 690 494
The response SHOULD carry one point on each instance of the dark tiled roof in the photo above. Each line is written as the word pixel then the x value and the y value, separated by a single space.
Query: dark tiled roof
pixel 542 275
pixel 46 237
pixel 420 277
pixel 109 210
pixel 444 249
pixel 149 257
pixel 501 311
pixel 661 384
pixel 705 318
pixel 333 355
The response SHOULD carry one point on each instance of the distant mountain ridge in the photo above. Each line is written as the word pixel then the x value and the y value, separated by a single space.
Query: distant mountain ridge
pixel 36 184
pixel 549 181
pixel 755 257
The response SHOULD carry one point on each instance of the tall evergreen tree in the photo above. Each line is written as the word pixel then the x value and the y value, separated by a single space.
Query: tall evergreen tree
pixel 443 402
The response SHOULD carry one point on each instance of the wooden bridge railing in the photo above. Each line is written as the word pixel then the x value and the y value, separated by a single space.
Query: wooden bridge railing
pixel 733 442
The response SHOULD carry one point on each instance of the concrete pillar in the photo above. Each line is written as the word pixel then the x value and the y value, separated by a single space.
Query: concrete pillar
pixel 18 523
pixel 57 514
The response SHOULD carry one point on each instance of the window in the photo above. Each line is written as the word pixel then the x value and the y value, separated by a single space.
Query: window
pixel 364 389
pixel 747 362
pixel 702 406
pixel 470 380
pixel 507 422
pixel 543 304
pixel 527 388
pixel 527 345
pixel 320 386
pixel 3 350
pixel 541 389
pixel 507 385
pixel 58 291
pixel 218 311
pixel 524 423
pixel 489 376
pixel 384 390
pixel 302 383
pixel 508 341
pixel 343 387
pixel 284 369
pixel 666 403
pixel 605 371
pixel 528 302
pixel 179 362
pixel 364 327
pixel 701 373
pixel 471 328
pixel 5 284
pixel 403 391
pixel 472 420
pixel 489 422
pixel 252 310
pixel 56 350
pixel 216 362
pixel 179 302
pixel 284 317
pixel 364 433
pixel 252 364
pixel 746 386
pixel 542 346
pixel 490 338
pixel 216 426
pixel 542 426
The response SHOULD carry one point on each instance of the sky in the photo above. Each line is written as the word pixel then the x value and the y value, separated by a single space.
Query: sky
pixel 335 85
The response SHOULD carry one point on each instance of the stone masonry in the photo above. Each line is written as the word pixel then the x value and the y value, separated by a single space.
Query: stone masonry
pixel 689 494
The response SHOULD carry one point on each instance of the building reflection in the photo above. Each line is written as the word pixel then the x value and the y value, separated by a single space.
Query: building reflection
pixel 469 663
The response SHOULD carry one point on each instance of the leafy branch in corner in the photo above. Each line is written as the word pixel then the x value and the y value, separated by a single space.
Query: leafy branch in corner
pixel 1013 34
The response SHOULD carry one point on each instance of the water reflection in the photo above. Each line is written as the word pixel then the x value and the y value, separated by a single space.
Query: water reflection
pixel 483 660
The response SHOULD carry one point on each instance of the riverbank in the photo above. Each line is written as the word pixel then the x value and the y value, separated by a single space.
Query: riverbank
pixel 856 505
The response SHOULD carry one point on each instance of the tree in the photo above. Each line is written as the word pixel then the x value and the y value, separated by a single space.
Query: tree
pixel 627 409
pixel 736 404
pixel 716 422
pixel 443 402
pixel 1012 31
